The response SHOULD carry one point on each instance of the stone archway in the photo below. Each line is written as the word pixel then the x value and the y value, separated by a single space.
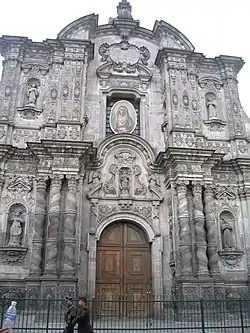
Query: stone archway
pixel 123 268
pixel 154 240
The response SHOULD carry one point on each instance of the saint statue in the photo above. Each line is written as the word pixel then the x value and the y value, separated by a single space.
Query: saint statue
pixel 121 121
pixel 32 95
pixel 16 231
pixel 211 107
pixel 227 235
pixel 124 181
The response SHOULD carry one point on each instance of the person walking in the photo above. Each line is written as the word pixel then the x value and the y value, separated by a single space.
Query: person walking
pixel 70 315
pixel 83 317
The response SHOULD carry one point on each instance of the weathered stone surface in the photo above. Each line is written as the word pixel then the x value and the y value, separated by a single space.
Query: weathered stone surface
pixel 119 123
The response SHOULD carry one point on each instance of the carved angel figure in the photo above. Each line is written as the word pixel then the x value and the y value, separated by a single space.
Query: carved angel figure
pixel 94 179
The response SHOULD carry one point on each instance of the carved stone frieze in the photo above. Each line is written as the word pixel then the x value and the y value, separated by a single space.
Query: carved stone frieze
pixel 109 209
pixel 231 259
pixel 215 125
pixel 69 133
pixel 13 255
pixel 19 188
pixel 20 137
pixel 29 112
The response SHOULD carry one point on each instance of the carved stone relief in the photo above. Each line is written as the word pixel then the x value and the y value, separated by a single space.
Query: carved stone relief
pixel 19 189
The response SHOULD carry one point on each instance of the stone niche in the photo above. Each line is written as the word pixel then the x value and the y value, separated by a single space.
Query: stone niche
pixel 13 251
pixel 229 254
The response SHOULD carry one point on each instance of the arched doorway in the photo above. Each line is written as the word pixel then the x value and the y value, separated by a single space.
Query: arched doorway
pixel 123 267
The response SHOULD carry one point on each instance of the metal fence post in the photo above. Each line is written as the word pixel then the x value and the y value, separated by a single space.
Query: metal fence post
pixel 241 317
pixel 3 307
pixel 48 313
pixel 203 328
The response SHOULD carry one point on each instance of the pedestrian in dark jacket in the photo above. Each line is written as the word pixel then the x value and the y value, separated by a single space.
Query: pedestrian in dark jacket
pixel 70 315
pixel 83 317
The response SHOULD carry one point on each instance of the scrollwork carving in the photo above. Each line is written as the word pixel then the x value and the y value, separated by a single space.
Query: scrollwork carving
pixel 140 189
pixel 109 187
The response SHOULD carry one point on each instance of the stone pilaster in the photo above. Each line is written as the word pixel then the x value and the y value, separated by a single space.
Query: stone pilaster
pixel 50 267
pixel 70 227
pixel 212 245
pixel 184 230
pixel 200 233
pixel 39 227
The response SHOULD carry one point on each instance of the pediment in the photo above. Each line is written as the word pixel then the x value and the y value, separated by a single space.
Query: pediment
pixel 20 184
pixel 210 82
pixel 225 194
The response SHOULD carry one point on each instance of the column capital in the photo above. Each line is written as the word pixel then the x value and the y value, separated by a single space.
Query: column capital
pixel 181 187
pixel 56 180
pixel 197 187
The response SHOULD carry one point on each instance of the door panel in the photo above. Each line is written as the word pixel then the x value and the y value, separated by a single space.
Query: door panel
pixel 123 270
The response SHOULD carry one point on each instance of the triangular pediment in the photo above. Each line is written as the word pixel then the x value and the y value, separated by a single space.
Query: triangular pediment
pixel 225 194
pixel 20 185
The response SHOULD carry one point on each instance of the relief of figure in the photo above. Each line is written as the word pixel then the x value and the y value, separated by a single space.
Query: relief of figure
pixel 32 94
pixel 16 230
pixel 211 104
pixel 122 119
pixel 94 178
pixel 227 235
pixel 124 177
pixel 154 180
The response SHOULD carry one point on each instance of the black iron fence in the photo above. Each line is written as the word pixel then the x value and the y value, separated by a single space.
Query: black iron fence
pixel 146 313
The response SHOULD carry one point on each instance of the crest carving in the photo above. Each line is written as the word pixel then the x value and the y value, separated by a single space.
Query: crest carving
pixel 124 58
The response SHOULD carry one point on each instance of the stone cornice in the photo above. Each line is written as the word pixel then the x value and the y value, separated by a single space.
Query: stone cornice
pixel 12 46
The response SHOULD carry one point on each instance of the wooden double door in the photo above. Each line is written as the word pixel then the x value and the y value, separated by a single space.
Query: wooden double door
pixel 123 270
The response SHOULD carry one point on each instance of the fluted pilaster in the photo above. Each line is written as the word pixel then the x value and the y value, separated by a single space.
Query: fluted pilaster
pixel 212 246
pixel 184 230
pixel 200 233
pixel 70 227
pixel 53 226
pixel 39 226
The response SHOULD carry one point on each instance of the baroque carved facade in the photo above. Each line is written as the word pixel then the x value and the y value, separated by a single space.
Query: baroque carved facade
pixel 115 123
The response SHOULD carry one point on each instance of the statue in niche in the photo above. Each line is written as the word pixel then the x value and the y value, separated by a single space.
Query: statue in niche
pixel 211 104
pixel 32 94
pixel 122 117
pixel 16 228
pixel 124 178
pixel 227 235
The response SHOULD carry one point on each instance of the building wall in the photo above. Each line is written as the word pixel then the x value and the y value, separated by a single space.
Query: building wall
pixel 60 172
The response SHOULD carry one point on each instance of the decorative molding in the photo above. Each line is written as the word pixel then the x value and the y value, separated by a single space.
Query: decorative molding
pixel 13 255
pixel 215 125
pixel 231 258
pixel 29 112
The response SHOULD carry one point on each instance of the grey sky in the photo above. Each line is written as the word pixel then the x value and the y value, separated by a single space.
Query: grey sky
pixel 214 27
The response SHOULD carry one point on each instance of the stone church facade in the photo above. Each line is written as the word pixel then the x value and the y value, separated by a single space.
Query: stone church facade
pixel 125 164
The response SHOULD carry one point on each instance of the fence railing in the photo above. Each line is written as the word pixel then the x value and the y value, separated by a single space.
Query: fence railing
pixel 146 313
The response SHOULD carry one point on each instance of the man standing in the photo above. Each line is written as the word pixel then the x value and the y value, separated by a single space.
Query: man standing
pixel 83 317
pixel 70 315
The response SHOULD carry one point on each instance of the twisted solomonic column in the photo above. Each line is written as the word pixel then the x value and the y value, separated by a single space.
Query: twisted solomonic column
pixel 51 252
pixel 39 226
pixel 184 230
pixel 212 246
pixel 70 227
pixel 200 233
